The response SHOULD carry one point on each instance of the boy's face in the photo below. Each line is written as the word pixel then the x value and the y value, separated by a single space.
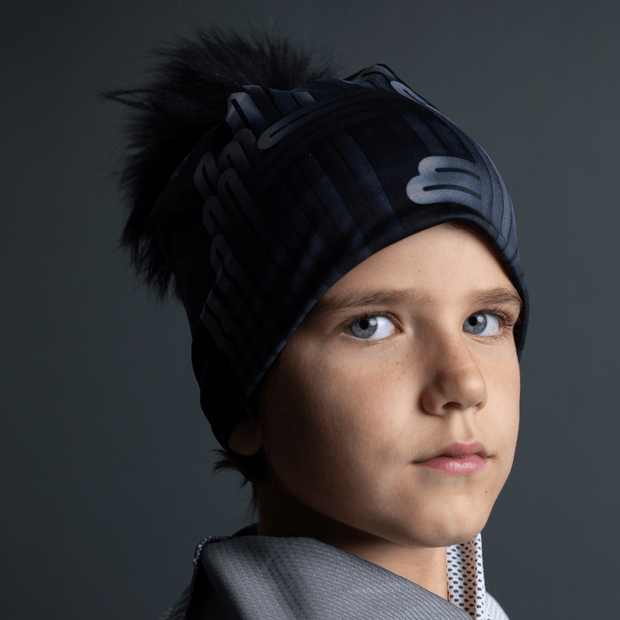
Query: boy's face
pixel 356 404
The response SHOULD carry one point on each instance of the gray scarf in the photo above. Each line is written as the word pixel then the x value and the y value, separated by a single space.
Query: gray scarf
pixel 251 577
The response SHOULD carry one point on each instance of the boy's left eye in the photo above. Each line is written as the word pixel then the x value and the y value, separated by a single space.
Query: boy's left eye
pixel 481 324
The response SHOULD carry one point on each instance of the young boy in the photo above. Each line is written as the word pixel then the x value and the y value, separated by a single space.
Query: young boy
pixel 348 261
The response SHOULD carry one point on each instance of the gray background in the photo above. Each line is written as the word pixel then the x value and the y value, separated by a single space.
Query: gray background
pixel 106 481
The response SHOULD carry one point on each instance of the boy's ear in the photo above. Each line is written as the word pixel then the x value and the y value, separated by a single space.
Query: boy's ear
pixel 245 438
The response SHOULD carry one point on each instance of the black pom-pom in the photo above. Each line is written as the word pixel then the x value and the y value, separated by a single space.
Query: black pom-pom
pixel 185 96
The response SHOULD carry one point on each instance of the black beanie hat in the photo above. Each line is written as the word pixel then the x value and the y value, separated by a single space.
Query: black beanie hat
pixel 294 189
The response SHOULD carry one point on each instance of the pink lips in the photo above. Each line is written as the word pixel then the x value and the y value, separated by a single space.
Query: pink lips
pixel 450 465
pixel 459 458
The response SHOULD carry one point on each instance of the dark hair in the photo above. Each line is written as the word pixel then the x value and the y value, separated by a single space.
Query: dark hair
pixel 255 468
pixel 185 96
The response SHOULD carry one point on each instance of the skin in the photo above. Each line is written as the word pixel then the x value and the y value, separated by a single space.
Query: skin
pixel 344 418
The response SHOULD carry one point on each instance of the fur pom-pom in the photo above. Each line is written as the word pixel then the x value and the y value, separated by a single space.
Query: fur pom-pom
pixel 185 96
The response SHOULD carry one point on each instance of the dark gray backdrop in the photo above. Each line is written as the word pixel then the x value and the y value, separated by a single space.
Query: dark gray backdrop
pixel 105 454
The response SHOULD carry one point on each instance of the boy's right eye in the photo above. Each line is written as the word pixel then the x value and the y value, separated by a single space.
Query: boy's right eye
pixel 372 327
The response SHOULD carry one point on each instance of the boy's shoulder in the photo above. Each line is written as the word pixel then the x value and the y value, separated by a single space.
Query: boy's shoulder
pixel 199 601
pixel 285 578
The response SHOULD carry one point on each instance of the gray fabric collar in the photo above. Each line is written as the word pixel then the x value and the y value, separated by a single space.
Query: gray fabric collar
pixel 291 578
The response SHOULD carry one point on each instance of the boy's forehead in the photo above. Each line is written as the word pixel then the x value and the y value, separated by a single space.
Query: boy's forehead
pixel 411 272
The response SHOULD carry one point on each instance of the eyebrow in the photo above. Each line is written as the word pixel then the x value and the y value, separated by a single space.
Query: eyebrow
pixel 344 301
